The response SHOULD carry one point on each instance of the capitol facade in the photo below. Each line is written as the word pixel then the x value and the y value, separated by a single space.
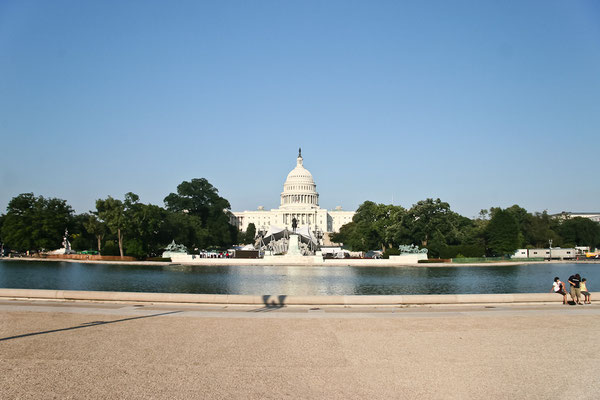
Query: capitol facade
pixel 299 200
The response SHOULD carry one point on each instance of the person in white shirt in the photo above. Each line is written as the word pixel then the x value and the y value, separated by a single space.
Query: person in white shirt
pixel 559 287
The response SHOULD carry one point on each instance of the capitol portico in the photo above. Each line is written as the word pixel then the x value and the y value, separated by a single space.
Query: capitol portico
pixel 299 200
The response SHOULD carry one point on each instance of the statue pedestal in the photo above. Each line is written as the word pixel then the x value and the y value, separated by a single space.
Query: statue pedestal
pixel 294 246
pixel 294 255
pixel 408 258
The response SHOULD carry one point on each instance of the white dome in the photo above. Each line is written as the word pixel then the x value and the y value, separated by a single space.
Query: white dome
pixel 299 189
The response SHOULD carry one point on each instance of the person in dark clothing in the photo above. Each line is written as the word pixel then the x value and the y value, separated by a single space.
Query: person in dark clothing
pixel 575 281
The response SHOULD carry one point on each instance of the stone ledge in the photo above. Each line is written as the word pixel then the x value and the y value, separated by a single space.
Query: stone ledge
pixel 280 300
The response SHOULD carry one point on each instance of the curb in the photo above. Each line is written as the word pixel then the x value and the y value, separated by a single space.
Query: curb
pixel 279 300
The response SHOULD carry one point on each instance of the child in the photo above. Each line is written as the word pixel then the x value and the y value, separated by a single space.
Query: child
pixel 584 292
pixel 559 287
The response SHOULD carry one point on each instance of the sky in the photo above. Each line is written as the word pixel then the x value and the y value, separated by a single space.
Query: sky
pixel 479 103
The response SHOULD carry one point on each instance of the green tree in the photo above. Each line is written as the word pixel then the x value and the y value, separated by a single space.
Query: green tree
pixel 145 227
pixel 2 216
pixel 35 223
pixel 502 233
pixel 426 218
pixel 210 213
pixel 540 230
pixel 97 228
pixel 81 238
pixel 373 226
pixel 362 234
pixel 388 225
pixel 472 235
pixel 197 197
pixel 112 213
pixel 524 222
pixel 431 224
pixel 580 232
pixel 345 235
pixel 368 229
pixel 250 233
pixel 184 229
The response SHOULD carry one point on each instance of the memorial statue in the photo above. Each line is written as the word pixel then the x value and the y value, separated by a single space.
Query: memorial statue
pixel 411 249
pixel 176 248
pixel 65 243
pixel 294 224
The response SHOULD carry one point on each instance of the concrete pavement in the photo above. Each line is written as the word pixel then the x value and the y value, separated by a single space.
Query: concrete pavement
pixel 227 299
pixel 85 350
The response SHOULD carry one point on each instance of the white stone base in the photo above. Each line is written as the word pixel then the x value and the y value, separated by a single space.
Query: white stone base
pixel 288 260
pixel 293 247
pixel 294 255
pixel 408 258
pixel 62 250
pixel 171 254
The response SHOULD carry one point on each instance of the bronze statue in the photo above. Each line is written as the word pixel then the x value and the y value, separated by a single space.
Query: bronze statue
pixel 294 224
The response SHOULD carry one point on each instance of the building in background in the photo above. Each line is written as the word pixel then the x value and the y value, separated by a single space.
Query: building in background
pixel 299 200
pixel 566 215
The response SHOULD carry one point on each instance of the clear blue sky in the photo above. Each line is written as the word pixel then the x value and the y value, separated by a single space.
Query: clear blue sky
pixel 480 103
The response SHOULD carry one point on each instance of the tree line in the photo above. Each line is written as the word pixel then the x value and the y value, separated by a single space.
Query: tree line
pixel 198 217
pixel 195 216
pixel 433 225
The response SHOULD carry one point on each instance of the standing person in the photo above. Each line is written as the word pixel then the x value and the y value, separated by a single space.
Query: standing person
pixel 584 291
pixel 575 281
pixel 559 287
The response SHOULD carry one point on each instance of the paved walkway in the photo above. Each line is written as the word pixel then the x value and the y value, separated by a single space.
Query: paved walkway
pixel 108 350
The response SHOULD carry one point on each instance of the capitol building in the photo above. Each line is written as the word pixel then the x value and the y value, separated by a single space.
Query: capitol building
pixel 299 200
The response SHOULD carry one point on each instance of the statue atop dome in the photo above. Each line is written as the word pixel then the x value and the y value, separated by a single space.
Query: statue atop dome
pixel 299 159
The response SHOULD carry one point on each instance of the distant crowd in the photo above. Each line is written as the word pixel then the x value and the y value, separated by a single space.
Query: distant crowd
pixel 211 254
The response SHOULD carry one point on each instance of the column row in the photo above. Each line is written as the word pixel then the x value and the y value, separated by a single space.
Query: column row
pixel 300 198
pixel 301 218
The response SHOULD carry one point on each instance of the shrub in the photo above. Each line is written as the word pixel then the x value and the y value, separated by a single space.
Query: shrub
pixel 465 250
pixel 163 259
pixel 110 248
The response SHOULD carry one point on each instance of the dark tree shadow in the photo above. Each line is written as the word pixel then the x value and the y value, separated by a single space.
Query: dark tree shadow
pixel 271 303
pixel 86 325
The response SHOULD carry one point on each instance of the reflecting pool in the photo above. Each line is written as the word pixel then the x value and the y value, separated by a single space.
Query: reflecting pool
pixel 293 281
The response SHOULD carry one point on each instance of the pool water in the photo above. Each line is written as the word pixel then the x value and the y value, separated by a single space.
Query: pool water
pixel 292 280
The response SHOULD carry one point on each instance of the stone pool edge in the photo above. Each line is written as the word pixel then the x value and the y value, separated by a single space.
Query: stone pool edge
pixel 277 300
pixel 249 262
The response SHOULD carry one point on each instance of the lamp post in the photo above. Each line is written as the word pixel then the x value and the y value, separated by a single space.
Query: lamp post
pixel 550 249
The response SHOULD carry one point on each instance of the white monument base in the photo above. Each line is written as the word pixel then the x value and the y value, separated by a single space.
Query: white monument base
pixel 62 251
pixel 171 254
pixel 294 255
pixel 408 258
pixel 293 247
pixel 286 259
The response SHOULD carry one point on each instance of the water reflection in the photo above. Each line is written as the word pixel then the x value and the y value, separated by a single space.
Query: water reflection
pixel 292 280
